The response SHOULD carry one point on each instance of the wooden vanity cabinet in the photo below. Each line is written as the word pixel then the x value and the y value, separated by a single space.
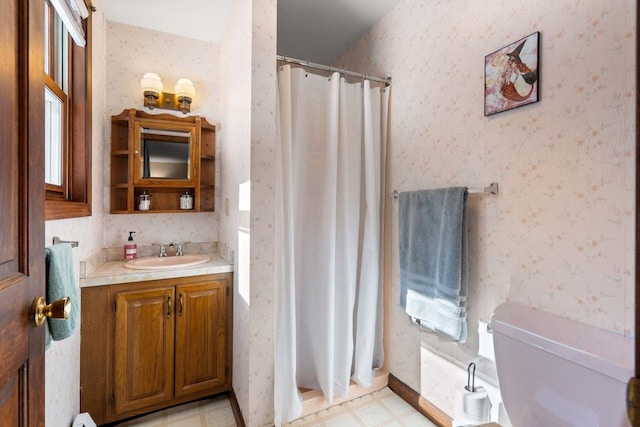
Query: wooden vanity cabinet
pixel 143 348
pixel 167 342
pixel 201 337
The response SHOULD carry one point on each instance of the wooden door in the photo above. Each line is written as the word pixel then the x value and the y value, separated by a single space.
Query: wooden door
pixel 201 337
pixel 21 211
pixel 144 333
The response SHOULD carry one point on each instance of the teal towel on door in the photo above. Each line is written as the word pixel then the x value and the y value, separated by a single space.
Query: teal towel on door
pixel 61 283
pixel 433 259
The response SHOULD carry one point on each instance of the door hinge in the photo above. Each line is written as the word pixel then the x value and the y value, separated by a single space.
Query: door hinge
pixel 112 400
pixel 227 291
pixel 114 306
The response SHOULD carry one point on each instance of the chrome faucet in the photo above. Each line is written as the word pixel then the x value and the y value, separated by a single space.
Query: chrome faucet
pixel 171 249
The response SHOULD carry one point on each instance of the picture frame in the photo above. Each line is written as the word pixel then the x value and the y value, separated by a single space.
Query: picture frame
pixel 511 75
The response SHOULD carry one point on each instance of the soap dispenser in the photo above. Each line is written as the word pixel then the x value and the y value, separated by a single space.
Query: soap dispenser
pixel 130 247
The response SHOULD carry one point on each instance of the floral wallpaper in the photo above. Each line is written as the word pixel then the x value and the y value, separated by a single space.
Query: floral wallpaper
pixel 263 143
pixel 248 95
pixel 559 236
pixel 131 52
pixel 235 167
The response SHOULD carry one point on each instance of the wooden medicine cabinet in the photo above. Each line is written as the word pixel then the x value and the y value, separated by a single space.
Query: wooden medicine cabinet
pixel 161 157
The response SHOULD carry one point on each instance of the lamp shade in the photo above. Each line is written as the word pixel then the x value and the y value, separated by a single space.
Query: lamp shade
pixel 184 88
pixel 151 82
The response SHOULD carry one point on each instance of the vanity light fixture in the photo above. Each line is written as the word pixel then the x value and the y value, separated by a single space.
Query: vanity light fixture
pixel 154 97
pixel 185 91
pixel 152 89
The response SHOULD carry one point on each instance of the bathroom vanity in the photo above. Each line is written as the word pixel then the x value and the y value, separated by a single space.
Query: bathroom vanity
pixel 153 339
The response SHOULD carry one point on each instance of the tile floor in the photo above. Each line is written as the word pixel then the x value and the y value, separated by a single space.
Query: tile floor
pixel 382 408
pixel 214 412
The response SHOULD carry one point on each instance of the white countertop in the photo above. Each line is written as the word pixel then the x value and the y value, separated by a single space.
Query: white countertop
pixel 98 270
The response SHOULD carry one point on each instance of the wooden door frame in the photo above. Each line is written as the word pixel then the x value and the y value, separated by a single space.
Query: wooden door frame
pixel 31 188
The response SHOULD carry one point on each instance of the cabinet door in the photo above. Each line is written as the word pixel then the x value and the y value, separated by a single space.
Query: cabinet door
pixel 144 333
pixel 201 337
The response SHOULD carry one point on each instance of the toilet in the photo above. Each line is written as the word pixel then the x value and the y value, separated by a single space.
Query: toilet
pixel 557 372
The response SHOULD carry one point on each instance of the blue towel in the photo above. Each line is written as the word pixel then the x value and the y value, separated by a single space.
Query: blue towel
pixel 61 283
pixel 433 259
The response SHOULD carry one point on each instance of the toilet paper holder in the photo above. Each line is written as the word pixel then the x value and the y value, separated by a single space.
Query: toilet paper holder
pixel 472 406
pixel 471 378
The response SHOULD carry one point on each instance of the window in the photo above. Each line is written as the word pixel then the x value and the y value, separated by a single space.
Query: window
pixel 67 79
pixel 55 102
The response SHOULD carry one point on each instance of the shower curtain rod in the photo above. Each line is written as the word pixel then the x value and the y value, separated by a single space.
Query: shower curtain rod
pixel 308 64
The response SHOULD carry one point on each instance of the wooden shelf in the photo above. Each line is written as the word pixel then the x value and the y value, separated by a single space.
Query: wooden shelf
pixel 156 211
pixel 171 186
pixel 126 163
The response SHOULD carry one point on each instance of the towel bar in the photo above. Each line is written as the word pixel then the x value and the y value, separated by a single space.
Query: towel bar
pixel 492 188
pixel 56 240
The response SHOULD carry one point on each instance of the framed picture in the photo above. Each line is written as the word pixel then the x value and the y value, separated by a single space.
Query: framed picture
pixel 511 75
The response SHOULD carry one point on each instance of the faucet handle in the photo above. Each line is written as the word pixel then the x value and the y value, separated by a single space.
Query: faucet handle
pixel 180 250
pixel 163 250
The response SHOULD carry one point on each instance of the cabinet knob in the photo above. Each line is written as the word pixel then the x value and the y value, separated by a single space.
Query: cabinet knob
pixel 40 310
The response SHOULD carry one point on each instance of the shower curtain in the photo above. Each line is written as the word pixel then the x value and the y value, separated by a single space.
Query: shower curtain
pixel 329 202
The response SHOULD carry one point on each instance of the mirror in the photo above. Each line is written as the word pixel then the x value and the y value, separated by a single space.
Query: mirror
pixel 165 154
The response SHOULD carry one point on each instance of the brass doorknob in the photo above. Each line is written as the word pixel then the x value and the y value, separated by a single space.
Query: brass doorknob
pixel 57 310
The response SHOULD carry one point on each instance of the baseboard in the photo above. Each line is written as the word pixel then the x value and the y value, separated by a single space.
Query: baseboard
pixel 422 405
pixel 237 414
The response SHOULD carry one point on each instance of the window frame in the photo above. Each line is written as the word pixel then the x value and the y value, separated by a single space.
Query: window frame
pixel 75 200
pixel 59 191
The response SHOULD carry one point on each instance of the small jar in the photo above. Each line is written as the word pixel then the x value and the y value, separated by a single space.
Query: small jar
pixel 186 201
pixel 144 201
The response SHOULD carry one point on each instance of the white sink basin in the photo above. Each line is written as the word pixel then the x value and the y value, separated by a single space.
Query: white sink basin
pixel 164 263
